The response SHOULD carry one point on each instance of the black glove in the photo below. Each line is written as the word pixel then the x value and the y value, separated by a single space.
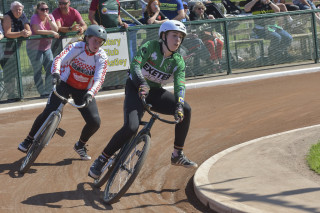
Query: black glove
pixel 143 91
pixel 178 115
pixel 87 98
pixel 55 79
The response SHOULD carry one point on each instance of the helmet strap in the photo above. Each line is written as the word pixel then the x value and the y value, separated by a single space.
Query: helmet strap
pixel 166 43
pixel 88 49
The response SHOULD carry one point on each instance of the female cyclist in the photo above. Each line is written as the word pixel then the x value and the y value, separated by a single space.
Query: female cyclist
pixel 79 71
pixel 155 64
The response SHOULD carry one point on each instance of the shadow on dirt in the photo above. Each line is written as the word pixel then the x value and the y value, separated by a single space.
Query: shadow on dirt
pixel 90 197
pixel 13 168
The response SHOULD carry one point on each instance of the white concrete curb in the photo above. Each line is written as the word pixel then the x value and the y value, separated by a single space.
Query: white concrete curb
pixel 218 202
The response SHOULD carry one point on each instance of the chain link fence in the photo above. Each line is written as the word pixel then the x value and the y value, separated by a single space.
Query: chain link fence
pixel 212 47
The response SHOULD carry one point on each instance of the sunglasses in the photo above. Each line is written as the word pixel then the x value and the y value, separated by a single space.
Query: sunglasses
pixel 44 9
pixel 200 8
pixel 63 3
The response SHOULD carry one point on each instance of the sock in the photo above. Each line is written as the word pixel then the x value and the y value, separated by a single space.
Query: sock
pixel 80 144
pixel 176 152
pixel 29 138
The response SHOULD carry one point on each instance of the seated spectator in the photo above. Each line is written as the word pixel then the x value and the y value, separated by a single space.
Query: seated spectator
pixel 194 47
pixel 307 5
pixel 280 40
pixel 173 9
pixel 15 25
pixel 39 50
pixel 289 6
pixel 304 4
pixel 153 15
pixel 213 41
pixel 106 14
pixel 65 16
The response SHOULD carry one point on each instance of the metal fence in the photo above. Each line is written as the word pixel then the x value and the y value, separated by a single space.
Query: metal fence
pixel 241 49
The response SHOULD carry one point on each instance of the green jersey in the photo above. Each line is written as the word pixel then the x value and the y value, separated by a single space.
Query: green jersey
pixel 149 66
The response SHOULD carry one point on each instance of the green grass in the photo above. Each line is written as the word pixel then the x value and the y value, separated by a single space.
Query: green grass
pixel 313 158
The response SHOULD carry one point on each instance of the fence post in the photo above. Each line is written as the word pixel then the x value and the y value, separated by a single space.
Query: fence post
pixel 228 55
pixel 315 37
pixel 19 81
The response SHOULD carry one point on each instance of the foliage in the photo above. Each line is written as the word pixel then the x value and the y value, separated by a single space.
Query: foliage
pixel 313 157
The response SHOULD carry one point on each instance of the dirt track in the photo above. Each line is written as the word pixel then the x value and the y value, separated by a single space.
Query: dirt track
pixel 222 116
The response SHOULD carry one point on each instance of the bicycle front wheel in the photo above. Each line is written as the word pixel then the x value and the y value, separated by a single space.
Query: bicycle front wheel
pixel 106 171
pixel 39 143
pixel 127 169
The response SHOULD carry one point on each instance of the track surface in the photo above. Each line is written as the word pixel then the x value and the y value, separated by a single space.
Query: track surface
pixel 222 117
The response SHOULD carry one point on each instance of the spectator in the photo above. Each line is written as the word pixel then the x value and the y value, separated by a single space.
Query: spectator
pixel 66 16
pixel 307 5
pixel 1 37
pixel 153 15
pixel 173 9
pixel 39 50
pixel 213 41
pixel 106 13
pixel 198 12
pixel 304 4
pixel 280 40
pixel 15 25
pixel 289 6
pixel 1 32
pixel 186 12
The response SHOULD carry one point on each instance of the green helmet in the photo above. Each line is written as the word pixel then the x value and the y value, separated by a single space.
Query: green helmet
pixel 96 30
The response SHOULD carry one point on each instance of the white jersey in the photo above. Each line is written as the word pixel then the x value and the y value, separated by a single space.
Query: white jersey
pixel 81 69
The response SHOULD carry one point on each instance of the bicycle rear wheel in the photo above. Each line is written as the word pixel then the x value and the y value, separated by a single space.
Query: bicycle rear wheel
pixel 126 169
pixel 39 143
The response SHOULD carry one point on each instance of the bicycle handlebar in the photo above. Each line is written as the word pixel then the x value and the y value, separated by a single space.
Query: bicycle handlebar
pixel 65 99
pixel 147 108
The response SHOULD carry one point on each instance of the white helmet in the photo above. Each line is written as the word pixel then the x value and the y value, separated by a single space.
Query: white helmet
pixel 172 25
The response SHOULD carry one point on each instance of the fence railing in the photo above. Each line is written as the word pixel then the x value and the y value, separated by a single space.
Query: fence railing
pixel 241 49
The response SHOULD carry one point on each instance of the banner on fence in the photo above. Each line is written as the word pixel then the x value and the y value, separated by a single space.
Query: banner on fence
pixel 116 48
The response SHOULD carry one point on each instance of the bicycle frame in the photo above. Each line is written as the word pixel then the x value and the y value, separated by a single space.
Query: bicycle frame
pixel 45 133
pixel 122 162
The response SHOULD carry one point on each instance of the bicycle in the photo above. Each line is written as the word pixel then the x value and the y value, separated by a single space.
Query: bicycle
pixel 124 166
pixel 46 132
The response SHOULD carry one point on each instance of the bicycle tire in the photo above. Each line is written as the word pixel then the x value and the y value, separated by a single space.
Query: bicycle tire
pixel 106 172
pixel 39 143
pixel 113 192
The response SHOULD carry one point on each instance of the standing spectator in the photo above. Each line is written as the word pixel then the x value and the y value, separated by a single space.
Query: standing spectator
pixel 1 37
pixel 186 12
pixel 153 15
pixel 66 16
pixel 39 50
pixel 280 40
pixel 15 25
pixel 213 41
pixel 106 13
pixel 173 9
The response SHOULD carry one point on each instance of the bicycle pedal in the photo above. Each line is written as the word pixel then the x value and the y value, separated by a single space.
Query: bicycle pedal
pixel 60 132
